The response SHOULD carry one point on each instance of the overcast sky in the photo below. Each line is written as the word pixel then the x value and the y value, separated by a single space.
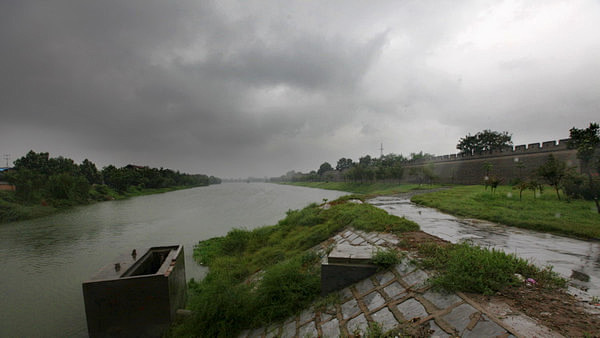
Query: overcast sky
pixel 240 88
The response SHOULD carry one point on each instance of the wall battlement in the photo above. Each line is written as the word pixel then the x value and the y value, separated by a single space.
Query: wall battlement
pixel 532 148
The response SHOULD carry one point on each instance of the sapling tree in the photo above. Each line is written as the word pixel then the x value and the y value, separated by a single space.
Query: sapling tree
pixel 553 171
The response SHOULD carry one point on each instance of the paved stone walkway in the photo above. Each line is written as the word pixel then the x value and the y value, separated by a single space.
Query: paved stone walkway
pixel 395 298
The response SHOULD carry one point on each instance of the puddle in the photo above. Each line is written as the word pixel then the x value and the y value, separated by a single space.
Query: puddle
pixel 564 254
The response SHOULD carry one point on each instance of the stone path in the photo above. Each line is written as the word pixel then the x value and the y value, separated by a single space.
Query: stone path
pixel 397 298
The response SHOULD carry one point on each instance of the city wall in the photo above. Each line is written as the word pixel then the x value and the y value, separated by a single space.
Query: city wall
pixel 509 164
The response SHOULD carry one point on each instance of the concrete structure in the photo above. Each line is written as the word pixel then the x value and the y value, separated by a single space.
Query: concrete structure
pixel 137 294
pixel 345 265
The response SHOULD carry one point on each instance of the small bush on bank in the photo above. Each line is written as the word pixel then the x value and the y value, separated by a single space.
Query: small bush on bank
pixel 464 267
pixel 387 258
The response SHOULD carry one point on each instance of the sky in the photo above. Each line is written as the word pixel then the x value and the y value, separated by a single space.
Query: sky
pixel 259 88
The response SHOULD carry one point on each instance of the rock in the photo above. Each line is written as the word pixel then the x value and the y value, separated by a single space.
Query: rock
pixel 580 276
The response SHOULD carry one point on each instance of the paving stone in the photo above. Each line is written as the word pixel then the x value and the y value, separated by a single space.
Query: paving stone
pixel 380 242
pixel 364 286
pixel 305 316
pixel 358 241
pixel 405 267
pixel 384 277
pixel 357 324
pixel 411 309
pixel 385 318
pixel 326 316
pixel 347 233
pixel 441 300
pixel 345 293
pixel 350 308
pixel 373 300
pixel 485 328
pixel 352 237
pixel 417 278
pixel 337 238
pixel 308 330
pixel 459 317
pixel 436 331
pixel 331 329
pixel 289 330
pixel 395 290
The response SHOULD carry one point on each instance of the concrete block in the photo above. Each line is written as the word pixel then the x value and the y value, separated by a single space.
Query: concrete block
pixel 384 277
pixel 412 309
pixel 289 330
pixel 350 308
pixel 357 324
pixel 416 279
pixel 338 276
pixel 331 329
pixel 441 300
pixel 460 316
pixel 395 290
pixel 485 328
pixel 385 318
pixel 364 286
pixel 373 300
pixel 308 330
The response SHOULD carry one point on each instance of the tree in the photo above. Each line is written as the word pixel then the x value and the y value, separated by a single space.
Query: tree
pixel 553 171
pixel 344 163
pixel 587 143
pixel 325 167
pixel 91 173
pixel 484 141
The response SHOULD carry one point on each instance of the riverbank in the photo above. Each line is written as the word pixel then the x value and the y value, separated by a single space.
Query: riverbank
pixel 12 210
pixel 539 212
pixel 263 276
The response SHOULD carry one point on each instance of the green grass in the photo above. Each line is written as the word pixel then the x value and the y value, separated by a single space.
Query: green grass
pixel 365 188
pixel 267 274
pixel 468 268
pixel 577 218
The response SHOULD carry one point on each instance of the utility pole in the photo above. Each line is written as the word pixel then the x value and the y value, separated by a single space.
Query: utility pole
pixel 381 150
pixel 7 158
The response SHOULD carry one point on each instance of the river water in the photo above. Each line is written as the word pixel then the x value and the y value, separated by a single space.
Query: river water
pixel 564 254
pixel 44 261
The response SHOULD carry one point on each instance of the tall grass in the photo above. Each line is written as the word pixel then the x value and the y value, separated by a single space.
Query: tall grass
pixel 266 274
pixel 545 212
pixel 464 267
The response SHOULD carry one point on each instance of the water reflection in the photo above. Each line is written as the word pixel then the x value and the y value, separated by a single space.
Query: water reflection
pixel 564 254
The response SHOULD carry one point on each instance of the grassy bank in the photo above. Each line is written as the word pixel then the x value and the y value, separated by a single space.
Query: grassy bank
pixel 11 209
pixel 267 274
pixel 577 218
pixel 365 188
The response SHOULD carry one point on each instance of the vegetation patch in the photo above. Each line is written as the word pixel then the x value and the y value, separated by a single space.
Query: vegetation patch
pixel 267 274
pixel 468 268
pixel 541 212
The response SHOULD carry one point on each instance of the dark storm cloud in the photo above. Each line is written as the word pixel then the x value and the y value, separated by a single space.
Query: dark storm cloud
pixel 257 88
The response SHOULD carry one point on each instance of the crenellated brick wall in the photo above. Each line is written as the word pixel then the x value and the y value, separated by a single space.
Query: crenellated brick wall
pixel 508 164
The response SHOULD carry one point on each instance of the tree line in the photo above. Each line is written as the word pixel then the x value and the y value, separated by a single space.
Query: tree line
pixel 59 181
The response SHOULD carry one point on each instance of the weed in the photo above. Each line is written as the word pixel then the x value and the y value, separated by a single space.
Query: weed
pixel 385 259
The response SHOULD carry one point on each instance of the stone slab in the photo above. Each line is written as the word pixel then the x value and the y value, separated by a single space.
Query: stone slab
pixel 384 277
pixel 460 316
pixel 441 300
pixel 364 286
pixel 395 290
pixel 350 308
pixel 412 309
pixel 373 300
pixel 346 253
pixel 416 279
pixel 385 318
pixel 308 330
pixel 289 330
pixel 331 329
pixel 485 328
pixel 357 324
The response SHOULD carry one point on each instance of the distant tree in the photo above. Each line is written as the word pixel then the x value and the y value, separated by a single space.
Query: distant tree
pixel 344 163
pixel 325 167
pixel 484 141
pixel 587 143
pixel 91 173
pixel 421 156
pixel 553 171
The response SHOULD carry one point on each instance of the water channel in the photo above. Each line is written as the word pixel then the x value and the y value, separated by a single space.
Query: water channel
pixel 44 261
pixel 564 254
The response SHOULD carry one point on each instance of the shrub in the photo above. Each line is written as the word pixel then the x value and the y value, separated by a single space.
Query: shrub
pixel 385 259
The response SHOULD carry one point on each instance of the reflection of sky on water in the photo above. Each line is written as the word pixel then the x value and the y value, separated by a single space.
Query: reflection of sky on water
pixel 564 254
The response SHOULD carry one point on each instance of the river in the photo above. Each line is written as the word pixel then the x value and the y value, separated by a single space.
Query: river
pixel 44 261
pixel 562 253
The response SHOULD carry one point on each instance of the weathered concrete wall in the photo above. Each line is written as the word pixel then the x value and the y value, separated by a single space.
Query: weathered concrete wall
pixel 133 301
pixel 509 165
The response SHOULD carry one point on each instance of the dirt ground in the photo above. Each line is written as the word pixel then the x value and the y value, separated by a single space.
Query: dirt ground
pixel 555 309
